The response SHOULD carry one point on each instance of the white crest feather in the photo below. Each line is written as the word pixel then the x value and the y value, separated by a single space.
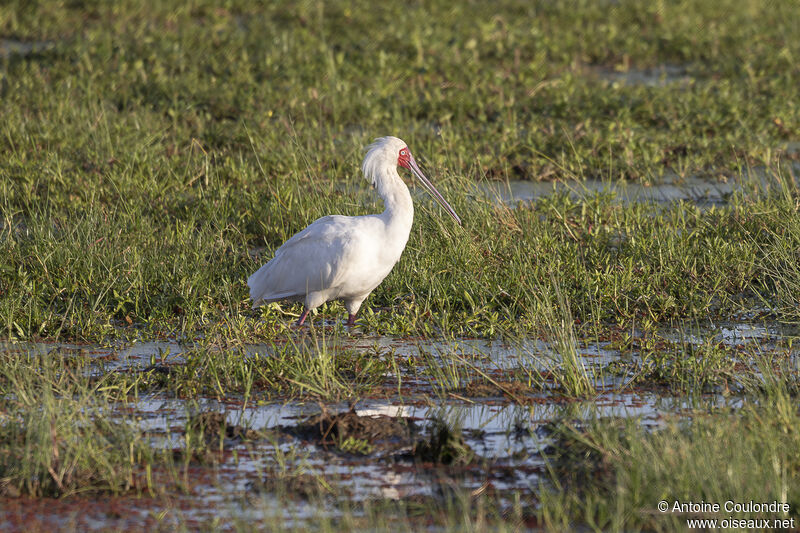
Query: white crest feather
pixel 382 153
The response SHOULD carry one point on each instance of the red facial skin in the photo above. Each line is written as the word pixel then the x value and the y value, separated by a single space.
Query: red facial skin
pixel 404 158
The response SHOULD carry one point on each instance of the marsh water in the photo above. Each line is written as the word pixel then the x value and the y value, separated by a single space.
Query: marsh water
pixel 703 191
pixel 505 432
pixel 11 47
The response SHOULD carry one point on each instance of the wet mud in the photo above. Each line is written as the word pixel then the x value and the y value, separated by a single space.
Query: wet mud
pixel 327 429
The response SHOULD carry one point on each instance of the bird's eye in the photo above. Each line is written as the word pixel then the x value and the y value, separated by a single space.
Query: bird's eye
pixel 402 152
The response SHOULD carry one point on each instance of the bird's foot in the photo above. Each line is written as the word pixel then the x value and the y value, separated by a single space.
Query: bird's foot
pixel 301 319
pixel 351 321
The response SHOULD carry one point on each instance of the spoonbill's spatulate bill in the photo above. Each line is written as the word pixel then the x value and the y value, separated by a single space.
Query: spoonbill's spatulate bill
pixel 345 258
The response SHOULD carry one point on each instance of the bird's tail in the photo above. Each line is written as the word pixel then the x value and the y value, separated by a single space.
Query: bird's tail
pixel 258 285
pixel 265 286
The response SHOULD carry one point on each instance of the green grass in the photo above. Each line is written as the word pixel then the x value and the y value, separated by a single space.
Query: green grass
pixel 147 152
pixel 56 438
pixel 611 476
pixel 85 273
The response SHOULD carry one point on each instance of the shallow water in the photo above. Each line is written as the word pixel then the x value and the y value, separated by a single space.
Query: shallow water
pixel 672 188
pixel 11 47
pixel 762 335
pixel 507 434
pixel 658 76
pixel 482 353
pixel 506 438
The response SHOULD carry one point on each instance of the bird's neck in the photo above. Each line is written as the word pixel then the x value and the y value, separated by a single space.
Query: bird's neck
pixel 399 209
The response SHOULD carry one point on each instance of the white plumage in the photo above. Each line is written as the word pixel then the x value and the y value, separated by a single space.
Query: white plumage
pixel 345 258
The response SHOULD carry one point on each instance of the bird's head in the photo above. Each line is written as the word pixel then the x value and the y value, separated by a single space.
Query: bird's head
pixel 387 153
pixel 383 154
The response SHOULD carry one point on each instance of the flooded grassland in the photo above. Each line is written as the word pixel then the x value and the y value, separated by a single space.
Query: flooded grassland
pixel 348 430
pixel 614 326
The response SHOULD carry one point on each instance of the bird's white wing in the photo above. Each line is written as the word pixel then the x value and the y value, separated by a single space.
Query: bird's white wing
pixel 310 261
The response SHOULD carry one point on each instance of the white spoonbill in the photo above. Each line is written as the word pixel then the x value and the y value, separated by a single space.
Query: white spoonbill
pixel 345 258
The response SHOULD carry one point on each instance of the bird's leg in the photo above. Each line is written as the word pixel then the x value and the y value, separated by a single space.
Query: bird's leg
pixel 302 318
pixel 351 320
